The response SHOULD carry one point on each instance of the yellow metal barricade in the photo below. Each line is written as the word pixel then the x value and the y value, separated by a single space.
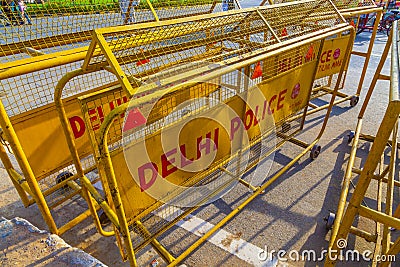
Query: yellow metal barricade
pixel 212 61
pixel 37 48
pixel 55 26
pixel 374 169
pixel 351 11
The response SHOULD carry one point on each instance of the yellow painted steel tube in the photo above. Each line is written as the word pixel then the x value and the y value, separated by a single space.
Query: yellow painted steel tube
pixel 378 235
pixel 319 108
pixel 24 66
pixel 113 62
pixel 376 76
pixel 19 182
pixel 379 216
pixel 371 138
pixel 102 203
pixel 393 251
pixel 361 233
pixel 106 162
pixel 75 221
pixel 75 157
pixel 369 50
pixel 348 174
pixel 332 102
pixel 157 246
pixel 394 84
pixel 152 10
pixel 354 11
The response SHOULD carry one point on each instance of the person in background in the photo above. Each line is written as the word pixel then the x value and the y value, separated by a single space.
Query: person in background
pixel 24 15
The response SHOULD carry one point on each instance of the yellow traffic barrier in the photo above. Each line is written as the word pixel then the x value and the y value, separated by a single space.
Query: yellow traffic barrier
pixel 374 169
pixel 36 51
pixel 351 11
pixel 45 27
pixel 213 61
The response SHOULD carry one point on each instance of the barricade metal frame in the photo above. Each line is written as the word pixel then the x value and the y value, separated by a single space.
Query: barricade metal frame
pixel 373 169
pixel 129 83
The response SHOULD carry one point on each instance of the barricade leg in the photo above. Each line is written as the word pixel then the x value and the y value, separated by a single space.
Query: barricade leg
pixel 388 127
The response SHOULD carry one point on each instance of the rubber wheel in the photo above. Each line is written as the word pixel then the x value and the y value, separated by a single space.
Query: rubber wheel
pixel 350 137
pixel 330 220
pixel 62 177
pixel 315 151
pixel 354 100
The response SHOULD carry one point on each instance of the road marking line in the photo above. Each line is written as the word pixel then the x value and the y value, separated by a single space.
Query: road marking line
pixel 227 241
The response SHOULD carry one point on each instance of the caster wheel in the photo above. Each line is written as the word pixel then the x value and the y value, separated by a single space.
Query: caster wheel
pixel 330 220
pixel 285 127
pixel 350 137
pixel 62 177
pixel 315 152
pixel 354 100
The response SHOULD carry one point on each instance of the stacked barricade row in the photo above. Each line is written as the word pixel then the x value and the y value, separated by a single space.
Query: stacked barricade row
pixel 63 145
pixel 212 61
pixel 34 57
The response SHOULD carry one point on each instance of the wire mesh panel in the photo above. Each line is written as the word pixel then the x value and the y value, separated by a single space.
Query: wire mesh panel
pixel 55 25
pixel 341 5
pixel 41 41
pixel 142 49
pixel 193 138
pixel 351 10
